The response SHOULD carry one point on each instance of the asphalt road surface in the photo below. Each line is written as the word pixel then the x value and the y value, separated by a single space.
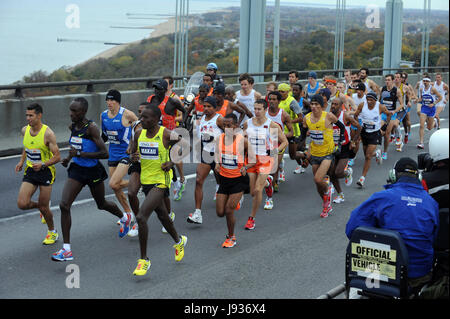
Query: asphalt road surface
pixel 291 254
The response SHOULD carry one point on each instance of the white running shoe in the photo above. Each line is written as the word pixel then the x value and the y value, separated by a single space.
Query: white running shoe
pixel 269 204
pixel 349 177
pixel 339 198
pixel 281 176
pixel 172 217
pixel 378 157
pixel 361 181
pixel 195 217
pixel 299 170
pixel 133 231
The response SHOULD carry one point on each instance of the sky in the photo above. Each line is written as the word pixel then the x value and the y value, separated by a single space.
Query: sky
pixel 410 4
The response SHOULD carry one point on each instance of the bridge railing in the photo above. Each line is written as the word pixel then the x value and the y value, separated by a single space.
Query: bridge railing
pixel 148 81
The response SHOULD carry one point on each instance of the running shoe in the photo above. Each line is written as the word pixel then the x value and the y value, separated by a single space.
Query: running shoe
pixel 51 238
pixel 275 187
pixel 281 176
pixel 125 226
pixel 43 221
pixel 134 231
pixel 405 139
pixel 378 157
pixel 172 217
pixel 142 267
pixel 269 204
pixel 420 146
pixel 180 191
pixel 229 242
pixel 179 248
pixel 351 162
pixel 361 181
pixel 250 223
pixel 195 217
pixel 348 176
pixel 176 185
pixel 399 146
pixel 62 255
pixel 339 198
pixel 384 156
pixel 118 222
pixel 326 212
pixel 299 170
pixel 436 124
pixel 391 139
pixel 239 205
pixel 269 186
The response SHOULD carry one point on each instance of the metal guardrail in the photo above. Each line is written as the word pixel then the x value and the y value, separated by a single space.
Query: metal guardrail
pixel 18 88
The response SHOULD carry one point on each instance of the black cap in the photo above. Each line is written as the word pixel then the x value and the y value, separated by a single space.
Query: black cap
pixel 161 84
pixel 211 100
pixel 113 95
pixel 406 165
pixel 317 98
pixel 325 92
pixel 219 88
pixel 361 87
pixel 371 95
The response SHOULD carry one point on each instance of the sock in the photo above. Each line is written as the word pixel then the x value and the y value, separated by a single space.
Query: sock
pixel 198 210
pixel 124 217
pixel 66 247
pixel 53 231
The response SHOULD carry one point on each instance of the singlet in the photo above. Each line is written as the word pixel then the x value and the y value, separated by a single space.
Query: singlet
pixel 198 108
pixel 231 156
pixel 358 100
pixel 118 135
pixel 35 148
pixel 442 92
pixel 153 154
pixel 208 131
pixel 81 141
pixel 370 118
pixel 368 88
pixel 337 131
pixel 286 105
pixel 247 100
pixel 427 97
pixel 166 120
pixel 276 118
pixel 389 98
pixel 322 143
pixel 259 137
pixel 310 92
pixel 224 108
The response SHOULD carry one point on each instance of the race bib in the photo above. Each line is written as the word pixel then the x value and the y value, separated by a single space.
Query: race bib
pixel 33 155
pixel 229 161
pixel 316 136
pixel 113 137
pixel 76 143
pixel 149 150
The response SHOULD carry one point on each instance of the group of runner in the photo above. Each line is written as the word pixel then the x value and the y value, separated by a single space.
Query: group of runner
pixel 242 138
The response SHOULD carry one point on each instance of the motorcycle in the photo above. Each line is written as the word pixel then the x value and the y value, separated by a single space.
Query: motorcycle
pixel 190 92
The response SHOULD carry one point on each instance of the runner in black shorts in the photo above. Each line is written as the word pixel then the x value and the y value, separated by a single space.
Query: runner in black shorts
pixel 87 147
pixel 231 148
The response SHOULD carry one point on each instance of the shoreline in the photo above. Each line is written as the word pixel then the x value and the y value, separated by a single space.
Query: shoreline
pixel 163 28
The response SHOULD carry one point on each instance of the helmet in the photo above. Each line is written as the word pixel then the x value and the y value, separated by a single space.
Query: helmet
pixel 211 66
pixel 438 145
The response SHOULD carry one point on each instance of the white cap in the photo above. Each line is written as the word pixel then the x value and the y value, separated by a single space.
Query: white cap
pixel 438 145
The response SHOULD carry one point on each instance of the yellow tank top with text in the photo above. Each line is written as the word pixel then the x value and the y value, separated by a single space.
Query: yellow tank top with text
pixel 285 105
pixel 153 154
pixel 35 148
pixel 322 143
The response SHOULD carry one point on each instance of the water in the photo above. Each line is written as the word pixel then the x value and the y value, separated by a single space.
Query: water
pixel 29 30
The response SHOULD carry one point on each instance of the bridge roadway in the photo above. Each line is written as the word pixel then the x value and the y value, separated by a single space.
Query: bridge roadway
pixel 292 253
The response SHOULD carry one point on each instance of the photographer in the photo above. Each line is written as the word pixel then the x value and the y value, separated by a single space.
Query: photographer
pixel 435 164
pixel 404 206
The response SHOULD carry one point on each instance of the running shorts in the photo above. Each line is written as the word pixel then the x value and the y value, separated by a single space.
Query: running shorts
pixel 373 138
pixel 264 165
pixel 125 160
pixel 44 177
pixel 428 111
pixel 148 187
pixel 87 175
pixel 316 160
pixel 235 185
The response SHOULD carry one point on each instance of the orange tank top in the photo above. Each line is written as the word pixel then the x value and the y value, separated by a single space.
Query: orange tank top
pixel 224 108
pixel 167 120
pixel 231 156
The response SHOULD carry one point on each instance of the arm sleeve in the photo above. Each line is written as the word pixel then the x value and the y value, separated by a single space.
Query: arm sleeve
pixel 295 107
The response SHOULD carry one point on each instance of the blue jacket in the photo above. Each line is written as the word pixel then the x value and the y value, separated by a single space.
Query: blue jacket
pixel 407 208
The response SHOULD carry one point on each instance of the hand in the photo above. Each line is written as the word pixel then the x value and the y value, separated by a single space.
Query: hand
pixel 134 157
pixel 167 166
pixel 217 168
pixel 244 170
pixel 18 167
pixel 65 161
pixel 72 152
pixel 352 145
pixel 37 167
